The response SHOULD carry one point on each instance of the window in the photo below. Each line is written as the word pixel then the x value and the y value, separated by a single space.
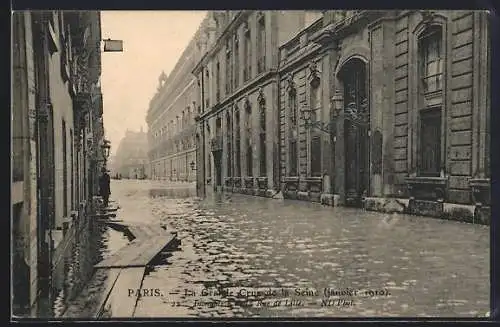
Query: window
pixel 262 139
pixel 315 139
pixel 293 155
pixel 315 155
pixel 430 142
pixel 249 141
pixel 431 59
pixel 237 143
pixel 229 147
pixel 207 82
pixel 261 44
pixel 236 62
pixel 217 82
pixel 73 204
pixel 229 68
pixel 248 54
pixel 65 170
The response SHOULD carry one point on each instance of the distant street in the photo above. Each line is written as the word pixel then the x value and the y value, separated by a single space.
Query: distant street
pixel 236 241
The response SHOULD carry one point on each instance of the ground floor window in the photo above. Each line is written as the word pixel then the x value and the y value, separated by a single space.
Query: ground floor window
pixel 315 155
pixel 293 157
pixel 429 153
pixel 249 159
pixel 263 156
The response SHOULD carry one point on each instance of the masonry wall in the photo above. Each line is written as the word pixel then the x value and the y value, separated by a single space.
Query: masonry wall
pixel 25 242
pixel 63 111
pixel 389 45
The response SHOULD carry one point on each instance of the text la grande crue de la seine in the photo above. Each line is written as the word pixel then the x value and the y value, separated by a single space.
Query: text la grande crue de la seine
pixel 282 291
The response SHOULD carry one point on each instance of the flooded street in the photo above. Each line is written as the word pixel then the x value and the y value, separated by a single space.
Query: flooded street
pixel 243 256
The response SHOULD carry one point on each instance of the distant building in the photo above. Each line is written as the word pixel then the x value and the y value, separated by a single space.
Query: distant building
pixel 170 118
pixel 131 158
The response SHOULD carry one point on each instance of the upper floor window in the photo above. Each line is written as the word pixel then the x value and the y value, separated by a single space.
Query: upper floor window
pixel 315 100
pixel 431 59
pixel 236 61
pixel 229 67
pixel 247 53
pixel 292 101
pixel 261 43
pixel 217 81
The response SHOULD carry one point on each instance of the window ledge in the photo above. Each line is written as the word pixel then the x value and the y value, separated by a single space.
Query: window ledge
pixel 427 180
pixel 427 188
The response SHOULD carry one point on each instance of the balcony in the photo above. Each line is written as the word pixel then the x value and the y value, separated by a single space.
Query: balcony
pixel 83 101
pixel 216 143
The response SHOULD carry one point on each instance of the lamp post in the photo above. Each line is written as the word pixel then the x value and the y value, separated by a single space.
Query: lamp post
pixel 105 147
pixel 336 103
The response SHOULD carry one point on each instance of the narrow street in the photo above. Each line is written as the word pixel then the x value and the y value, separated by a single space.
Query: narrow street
pixel 427 267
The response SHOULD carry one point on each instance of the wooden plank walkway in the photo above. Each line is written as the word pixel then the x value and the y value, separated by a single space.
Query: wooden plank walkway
pixel 127 266
pixel 138 254
pixel 113 277
pixel 120 304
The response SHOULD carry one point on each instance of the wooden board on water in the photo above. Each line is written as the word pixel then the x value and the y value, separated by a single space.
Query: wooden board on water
pixel 120 302
pixel 113 275
pixel 137 254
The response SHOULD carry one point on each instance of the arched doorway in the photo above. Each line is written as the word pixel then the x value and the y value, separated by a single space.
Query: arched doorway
pixel 353 78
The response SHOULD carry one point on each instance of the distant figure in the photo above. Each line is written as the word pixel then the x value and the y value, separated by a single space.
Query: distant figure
pixel 104 187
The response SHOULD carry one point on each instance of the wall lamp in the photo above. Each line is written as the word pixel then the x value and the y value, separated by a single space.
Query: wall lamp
pixel 106 146
pixel 336 104
pixel 357 115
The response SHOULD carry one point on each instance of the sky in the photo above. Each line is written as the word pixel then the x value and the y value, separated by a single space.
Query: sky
pixel 152 41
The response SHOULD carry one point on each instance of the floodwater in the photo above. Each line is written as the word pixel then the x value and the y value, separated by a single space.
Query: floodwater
pixel 243 256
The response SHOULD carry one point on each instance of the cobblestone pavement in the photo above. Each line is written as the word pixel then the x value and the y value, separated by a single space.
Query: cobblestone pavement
pixel 241 249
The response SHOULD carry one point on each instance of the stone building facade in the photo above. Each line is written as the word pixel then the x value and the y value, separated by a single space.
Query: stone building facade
pixel 401 117
pixel 237 138
pixel 56 136
pixel 170 119
pixel 386 110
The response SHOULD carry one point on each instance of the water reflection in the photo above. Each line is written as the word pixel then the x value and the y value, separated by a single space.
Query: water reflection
pixel 239 242
pixel 235 242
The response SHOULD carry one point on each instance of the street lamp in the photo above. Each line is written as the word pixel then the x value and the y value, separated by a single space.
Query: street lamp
pixel 192 164
pixel 106 146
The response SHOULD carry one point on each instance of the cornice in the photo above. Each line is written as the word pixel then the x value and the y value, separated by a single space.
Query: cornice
pixel 261 80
